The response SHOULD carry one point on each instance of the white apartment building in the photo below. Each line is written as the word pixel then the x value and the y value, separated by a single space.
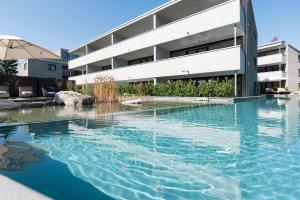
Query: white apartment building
pixel 182 39
pixel 278 66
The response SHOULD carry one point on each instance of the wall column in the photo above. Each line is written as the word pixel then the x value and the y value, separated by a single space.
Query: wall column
pixel 235 85
pixel 112 63
pixel 154 21
pixel 86 69
pixel 235 36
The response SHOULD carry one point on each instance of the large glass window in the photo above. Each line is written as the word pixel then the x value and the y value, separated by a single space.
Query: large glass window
pixel 271 52
pixel 141 60
pixel 272 68
pixel 206 47
pixel 51 67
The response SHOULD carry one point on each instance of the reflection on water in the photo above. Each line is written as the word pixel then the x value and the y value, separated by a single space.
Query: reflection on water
pixel 16 156
pixel 29 115
pixel 242 151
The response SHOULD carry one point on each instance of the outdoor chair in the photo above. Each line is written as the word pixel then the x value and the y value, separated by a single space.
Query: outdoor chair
pixel 25 91
pixel 4 92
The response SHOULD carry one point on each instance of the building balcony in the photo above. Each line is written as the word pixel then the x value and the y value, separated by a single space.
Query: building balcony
pixel 222 19
pixel 271 76
pixel 224 61
pixel 272 59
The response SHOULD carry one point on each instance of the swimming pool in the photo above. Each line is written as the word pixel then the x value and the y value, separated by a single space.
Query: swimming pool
pixel 248 150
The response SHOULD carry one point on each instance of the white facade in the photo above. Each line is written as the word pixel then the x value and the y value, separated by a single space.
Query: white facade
pixel 181 39
pixel 278 66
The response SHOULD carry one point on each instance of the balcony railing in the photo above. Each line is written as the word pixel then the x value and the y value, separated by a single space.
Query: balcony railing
pixel 271 76
pixel 272 59
pixel 218 61
pixel 228 13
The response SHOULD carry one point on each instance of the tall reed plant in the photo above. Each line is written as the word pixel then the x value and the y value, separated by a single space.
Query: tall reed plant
pixel 105 90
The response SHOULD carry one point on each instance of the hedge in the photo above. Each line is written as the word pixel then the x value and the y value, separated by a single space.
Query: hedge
pixel 210 88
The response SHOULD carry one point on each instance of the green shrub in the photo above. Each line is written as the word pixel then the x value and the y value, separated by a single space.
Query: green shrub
pixel 210 88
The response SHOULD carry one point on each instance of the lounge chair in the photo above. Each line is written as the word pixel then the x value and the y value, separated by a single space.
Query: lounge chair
pixel 49 92
pixel 25 91
pixel 4 92
pixel 270 91
pixel 282 91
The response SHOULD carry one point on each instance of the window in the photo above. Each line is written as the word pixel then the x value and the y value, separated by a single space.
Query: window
pixel 65 55
pixel 299 58
pixel 141 60
pixel 271 68
pixel 51 67
pixel 206 47
pixel 25 66
pixel 299 72
pixel 271 52
pixel 65 67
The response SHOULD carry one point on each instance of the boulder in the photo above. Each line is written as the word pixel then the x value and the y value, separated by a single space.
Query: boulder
pixel 71 98
pixel 133 102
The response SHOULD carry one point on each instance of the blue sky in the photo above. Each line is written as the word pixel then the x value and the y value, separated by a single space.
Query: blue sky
pixel 69 23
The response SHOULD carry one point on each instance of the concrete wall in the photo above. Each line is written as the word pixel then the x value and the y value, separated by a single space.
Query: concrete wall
pixel 250 83
pixel 292 68
pixel 116 63
pixel 23 68
pixel 39 68
pixel 160 53
pixel 223 60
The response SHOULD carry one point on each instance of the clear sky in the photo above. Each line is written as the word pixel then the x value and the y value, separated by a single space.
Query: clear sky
pixel 70 23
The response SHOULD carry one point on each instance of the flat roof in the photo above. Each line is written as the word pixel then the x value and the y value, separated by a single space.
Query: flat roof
pixel 277 43
pixel 272 44
pixel 147 14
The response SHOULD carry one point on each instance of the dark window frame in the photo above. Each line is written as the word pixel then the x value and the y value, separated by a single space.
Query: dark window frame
pixel 141 60
pixel 205 47
pixel 52 69
pixel 271 68
pixel 65 55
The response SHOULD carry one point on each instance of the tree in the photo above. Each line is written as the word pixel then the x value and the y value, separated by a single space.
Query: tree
pixel 8 67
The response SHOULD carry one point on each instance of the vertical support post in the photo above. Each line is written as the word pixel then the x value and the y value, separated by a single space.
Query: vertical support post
pixel 112 39
pixel 154 21
pixel 155 53
pixel 280 84
pixel 154 81
pixel 112 63
pixel 235 36
pixel 86 49
pixel 235 85
pixel 86 69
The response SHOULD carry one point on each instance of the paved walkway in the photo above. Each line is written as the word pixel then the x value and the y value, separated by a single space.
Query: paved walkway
pixel 8 104
pixel 13 190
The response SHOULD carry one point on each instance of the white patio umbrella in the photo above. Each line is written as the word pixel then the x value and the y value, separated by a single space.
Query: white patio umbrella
pixel 14 48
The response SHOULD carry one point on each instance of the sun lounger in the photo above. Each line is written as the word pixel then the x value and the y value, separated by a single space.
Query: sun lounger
pixel 4 92
pixel 25 91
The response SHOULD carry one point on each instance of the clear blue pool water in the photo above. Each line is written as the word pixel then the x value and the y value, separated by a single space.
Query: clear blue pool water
pixel 248 150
